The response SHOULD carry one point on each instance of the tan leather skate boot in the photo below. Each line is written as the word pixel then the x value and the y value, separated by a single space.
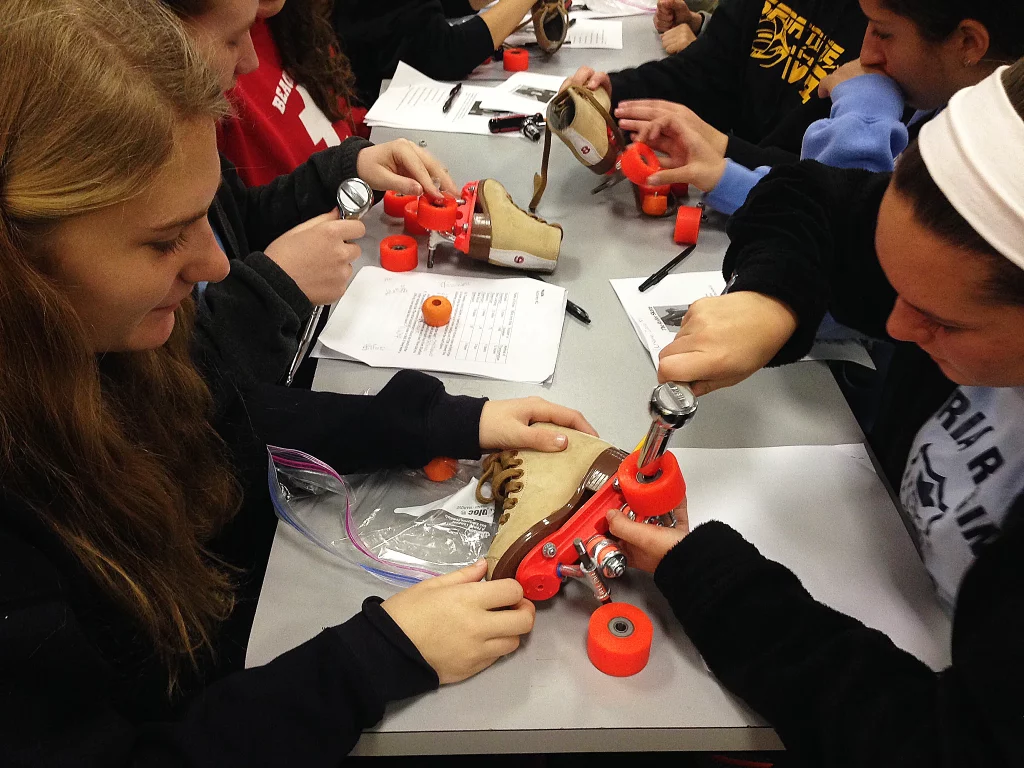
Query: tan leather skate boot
pixel 535 493
pixel 582 119
pixel 550 24
pixel 506 235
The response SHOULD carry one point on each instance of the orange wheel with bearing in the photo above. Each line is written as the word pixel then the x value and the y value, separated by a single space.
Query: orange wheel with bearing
pixel 687 225
pixel 619 639
pixel 437 311
pixel 437 215
pixel 515 59
pixel 639 162
pixel 399 253
pixel 658 496
pixel 395 202
pixel 412 225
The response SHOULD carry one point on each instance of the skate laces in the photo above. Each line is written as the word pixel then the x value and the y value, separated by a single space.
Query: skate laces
pixel 503 471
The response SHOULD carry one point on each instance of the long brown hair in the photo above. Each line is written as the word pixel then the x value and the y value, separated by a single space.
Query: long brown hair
pixel 312 55
pixel 933 210
pixel 117 457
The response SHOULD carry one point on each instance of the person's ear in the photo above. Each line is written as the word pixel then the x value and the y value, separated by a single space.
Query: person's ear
pixel 973 41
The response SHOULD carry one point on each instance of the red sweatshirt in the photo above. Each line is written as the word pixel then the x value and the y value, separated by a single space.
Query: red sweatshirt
pixel 277 126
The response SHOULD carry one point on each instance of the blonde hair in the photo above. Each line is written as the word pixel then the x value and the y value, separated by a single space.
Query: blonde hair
pixel 117 457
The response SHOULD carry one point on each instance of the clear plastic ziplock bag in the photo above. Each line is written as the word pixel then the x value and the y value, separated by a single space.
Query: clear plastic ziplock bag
pixel 395 524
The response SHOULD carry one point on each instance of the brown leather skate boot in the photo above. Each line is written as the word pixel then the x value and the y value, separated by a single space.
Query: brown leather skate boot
pixel 535 493
pixel 550 24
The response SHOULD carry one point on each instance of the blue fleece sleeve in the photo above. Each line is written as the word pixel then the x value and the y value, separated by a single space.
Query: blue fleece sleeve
pixel 731 190
pixel 864 129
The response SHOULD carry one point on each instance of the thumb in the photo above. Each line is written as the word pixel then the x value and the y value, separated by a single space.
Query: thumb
pixel 323 218
pixel 649 538
pixel 542 440
pixel 680 175
pixel 468 575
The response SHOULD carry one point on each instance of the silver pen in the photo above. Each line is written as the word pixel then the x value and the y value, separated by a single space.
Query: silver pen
pixel 355 198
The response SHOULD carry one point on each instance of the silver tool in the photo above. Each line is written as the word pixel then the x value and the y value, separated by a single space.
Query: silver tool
pixel 354 198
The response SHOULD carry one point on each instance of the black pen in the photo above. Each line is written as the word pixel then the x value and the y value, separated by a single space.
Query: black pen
pixel 571 308
pixel 456 89
pixel 658 276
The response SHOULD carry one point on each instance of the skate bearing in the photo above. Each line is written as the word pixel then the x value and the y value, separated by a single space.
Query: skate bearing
pixel 399 253
pixel 440 469
pixel 515 60
pixel 658 496
pixel 638 163
pixel 437 311
pixel 437 215
pixel 687 224
pixel 395 202
pixel 412 226
pixel 619 639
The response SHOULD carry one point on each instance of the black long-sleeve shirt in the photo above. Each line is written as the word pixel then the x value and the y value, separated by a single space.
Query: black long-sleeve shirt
pixel 838 693
pixel 375 36
pixel 79 684
pixel 754 73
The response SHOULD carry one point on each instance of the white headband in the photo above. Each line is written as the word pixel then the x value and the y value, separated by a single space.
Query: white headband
pixel 974 151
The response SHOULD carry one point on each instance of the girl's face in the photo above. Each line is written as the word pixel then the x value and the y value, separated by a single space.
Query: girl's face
pixel 126 268
pixel 223 34
pixel 942 304
pixel 929 73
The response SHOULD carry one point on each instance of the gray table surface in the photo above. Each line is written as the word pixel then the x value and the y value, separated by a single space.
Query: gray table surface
pixel 547 697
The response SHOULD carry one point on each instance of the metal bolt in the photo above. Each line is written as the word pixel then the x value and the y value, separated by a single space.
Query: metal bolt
pixel 548 550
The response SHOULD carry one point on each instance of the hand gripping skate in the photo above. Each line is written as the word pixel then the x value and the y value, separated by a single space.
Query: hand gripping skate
pixel 485 224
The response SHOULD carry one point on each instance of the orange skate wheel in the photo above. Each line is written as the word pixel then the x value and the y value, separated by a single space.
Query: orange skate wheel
pixel 395 202
pixel 441 469
pixel 687 225
pixel 619 639
pixel 412 226
pixel 654 205
pixel 657 497
pixel 399 253
pixel 515 60
pixel 638 163
pixel 437 215
pixel 437 311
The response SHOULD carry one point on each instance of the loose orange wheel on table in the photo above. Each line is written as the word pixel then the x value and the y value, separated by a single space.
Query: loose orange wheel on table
pixel 437 215
pixel 657 497
pixel 687 225
pixel 399 253
pixel 515 59
pixel 619 639
pixel 441 469
pixel 412 226
pixel 639 162
pixel 437 311
pixel 395 202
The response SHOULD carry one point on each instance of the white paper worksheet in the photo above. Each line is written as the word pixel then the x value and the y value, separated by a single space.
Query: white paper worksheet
pixel 505 329
pixel 584 33
pixel 414 100
pixel 656 315
pixel 526 92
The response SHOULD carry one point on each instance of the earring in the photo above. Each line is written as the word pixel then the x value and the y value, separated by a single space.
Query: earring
pixel 968 63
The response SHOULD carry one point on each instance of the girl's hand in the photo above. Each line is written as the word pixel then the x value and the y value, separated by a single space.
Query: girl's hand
pixel 404 167
pixel 646 544
pixel 724 339
pixel 506 424
pixel 462 625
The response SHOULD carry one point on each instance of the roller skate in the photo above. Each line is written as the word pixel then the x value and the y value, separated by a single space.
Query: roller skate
pixel 485 224
pixel 550 20
pixel 553 527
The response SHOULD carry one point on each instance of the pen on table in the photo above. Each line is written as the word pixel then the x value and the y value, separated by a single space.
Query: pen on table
pixel 452 94
pixel 572 308
pixel 660 275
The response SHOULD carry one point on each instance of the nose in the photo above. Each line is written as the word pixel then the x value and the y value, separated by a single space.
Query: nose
pixel 248 61
pixel 207 262
pixel 871 53
pixel 907 324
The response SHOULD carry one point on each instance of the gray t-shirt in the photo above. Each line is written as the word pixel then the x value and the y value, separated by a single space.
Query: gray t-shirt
pixel 965 470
